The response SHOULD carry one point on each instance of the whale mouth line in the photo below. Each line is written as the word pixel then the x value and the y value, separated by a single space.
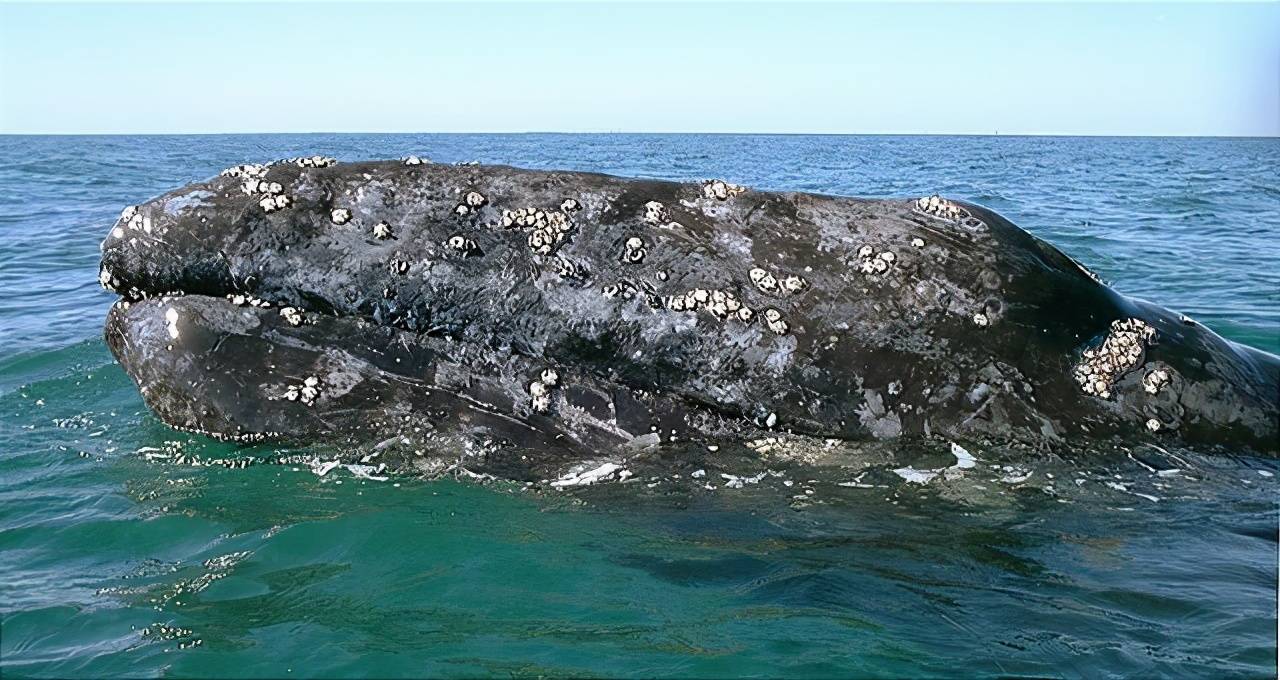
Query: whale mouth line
pixel 494 314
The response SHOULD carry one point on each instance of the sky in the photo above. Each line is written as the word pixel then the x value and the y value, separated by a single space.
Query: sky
pixel 905 68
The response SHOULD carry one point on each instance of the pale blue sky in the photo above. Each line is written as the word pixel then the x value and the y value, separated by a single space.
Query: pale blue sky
pixel 1151 69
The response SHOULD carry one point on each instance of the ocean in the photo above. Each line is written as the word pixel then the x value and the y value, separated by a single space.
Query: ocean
pixel 115 561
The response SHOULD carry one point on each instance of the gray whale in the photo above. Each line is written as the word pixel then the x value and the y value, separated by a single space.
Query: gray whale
pixel 522 320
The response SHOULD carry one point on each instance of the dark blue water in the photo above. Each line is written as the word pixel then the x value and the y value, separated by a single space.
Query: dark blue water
pixel 114 560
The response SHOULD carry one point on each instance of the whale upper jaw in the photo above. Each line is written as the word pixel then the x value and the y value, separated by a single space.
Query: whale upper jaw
pixel 426 305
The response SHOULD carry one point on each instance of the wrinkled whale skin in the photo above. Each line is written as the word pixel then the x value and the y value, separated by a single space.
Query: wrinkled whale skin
pixel 435 333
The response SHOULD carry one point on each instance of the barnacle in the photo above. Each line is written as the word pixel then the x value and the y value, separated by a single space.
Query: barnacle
pixel 635 250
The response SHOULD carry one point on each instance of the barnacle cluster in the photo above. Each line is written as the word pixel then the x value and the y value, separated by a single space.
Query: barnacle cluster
pixel 399 265
pixel 255 183
pixel 917 242
pixel 569 205
pixel 722 304
pixel 462 244
pixel 312 161
pixel 133 219
pixel 1119 353
pixel 1154 381
pixel 937 206
pixel 550 227
pixel 414 160
pixel 654 213
pixel 382 230
pixel 540 390
pixel 472 202
pixel 634 250
pixel 340 215
pixel 241 299
pixel 766 282
pixel 981 320
pixel 307 392
pixel 292 316
pixel 627 291
pixel 245 171
pixel 273 196
pixel 774 321
pixel 570 269
pixel 721 190
pixel 870 262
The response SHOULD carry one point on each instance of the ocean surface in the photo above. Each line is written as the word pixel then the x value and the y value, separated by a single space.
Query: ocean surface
pixel 115 560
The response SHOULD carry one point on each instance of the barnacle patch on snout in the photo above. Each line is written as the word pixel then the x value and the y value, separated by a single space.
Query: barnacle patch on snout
pixel 941 208
pixel 550 228
pixel 540 390
pixel 1120 352
pixel 767 282
pixel 313 161
pixel 307 392
pixel 871 263
pixel 721 190
pixel 461 244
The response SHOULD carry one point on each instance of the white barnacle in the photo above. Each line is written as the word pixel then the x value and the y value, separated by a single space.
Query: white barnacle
pixel 917 242
pixel 537 388
pixel 292 315
pixel 635 250
pixel 1153 425
pixel 128 213
pixel 570 205
pixel 655 212
pixel 771 420
pixel 382 230
pixel 462 209
pixel 549 377
pixel 414 160
pixel 866 251
pixel 1155 380
pixel 746 315
pixel 340 215
pixel 171 322
pixel 773 319
pixel 540 403
pixel 476 199
pixel 887 257
pixel 980 320
pixel 794 284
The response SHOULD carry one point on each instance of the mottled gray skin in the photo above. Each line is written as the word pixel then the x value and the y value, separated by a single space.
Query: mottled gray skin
pixel 441 349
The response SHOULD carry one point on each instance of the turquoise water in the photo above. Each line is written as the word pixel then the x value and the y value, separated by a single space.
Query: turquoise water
pixel 118 560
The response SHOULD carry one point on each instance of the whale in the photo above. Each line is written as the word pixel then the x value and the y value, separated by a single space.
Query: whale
pixel 519 321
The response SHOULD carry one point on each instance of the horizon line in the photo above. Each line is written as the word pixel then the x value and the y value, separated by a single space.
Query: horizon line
pixel 631 132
